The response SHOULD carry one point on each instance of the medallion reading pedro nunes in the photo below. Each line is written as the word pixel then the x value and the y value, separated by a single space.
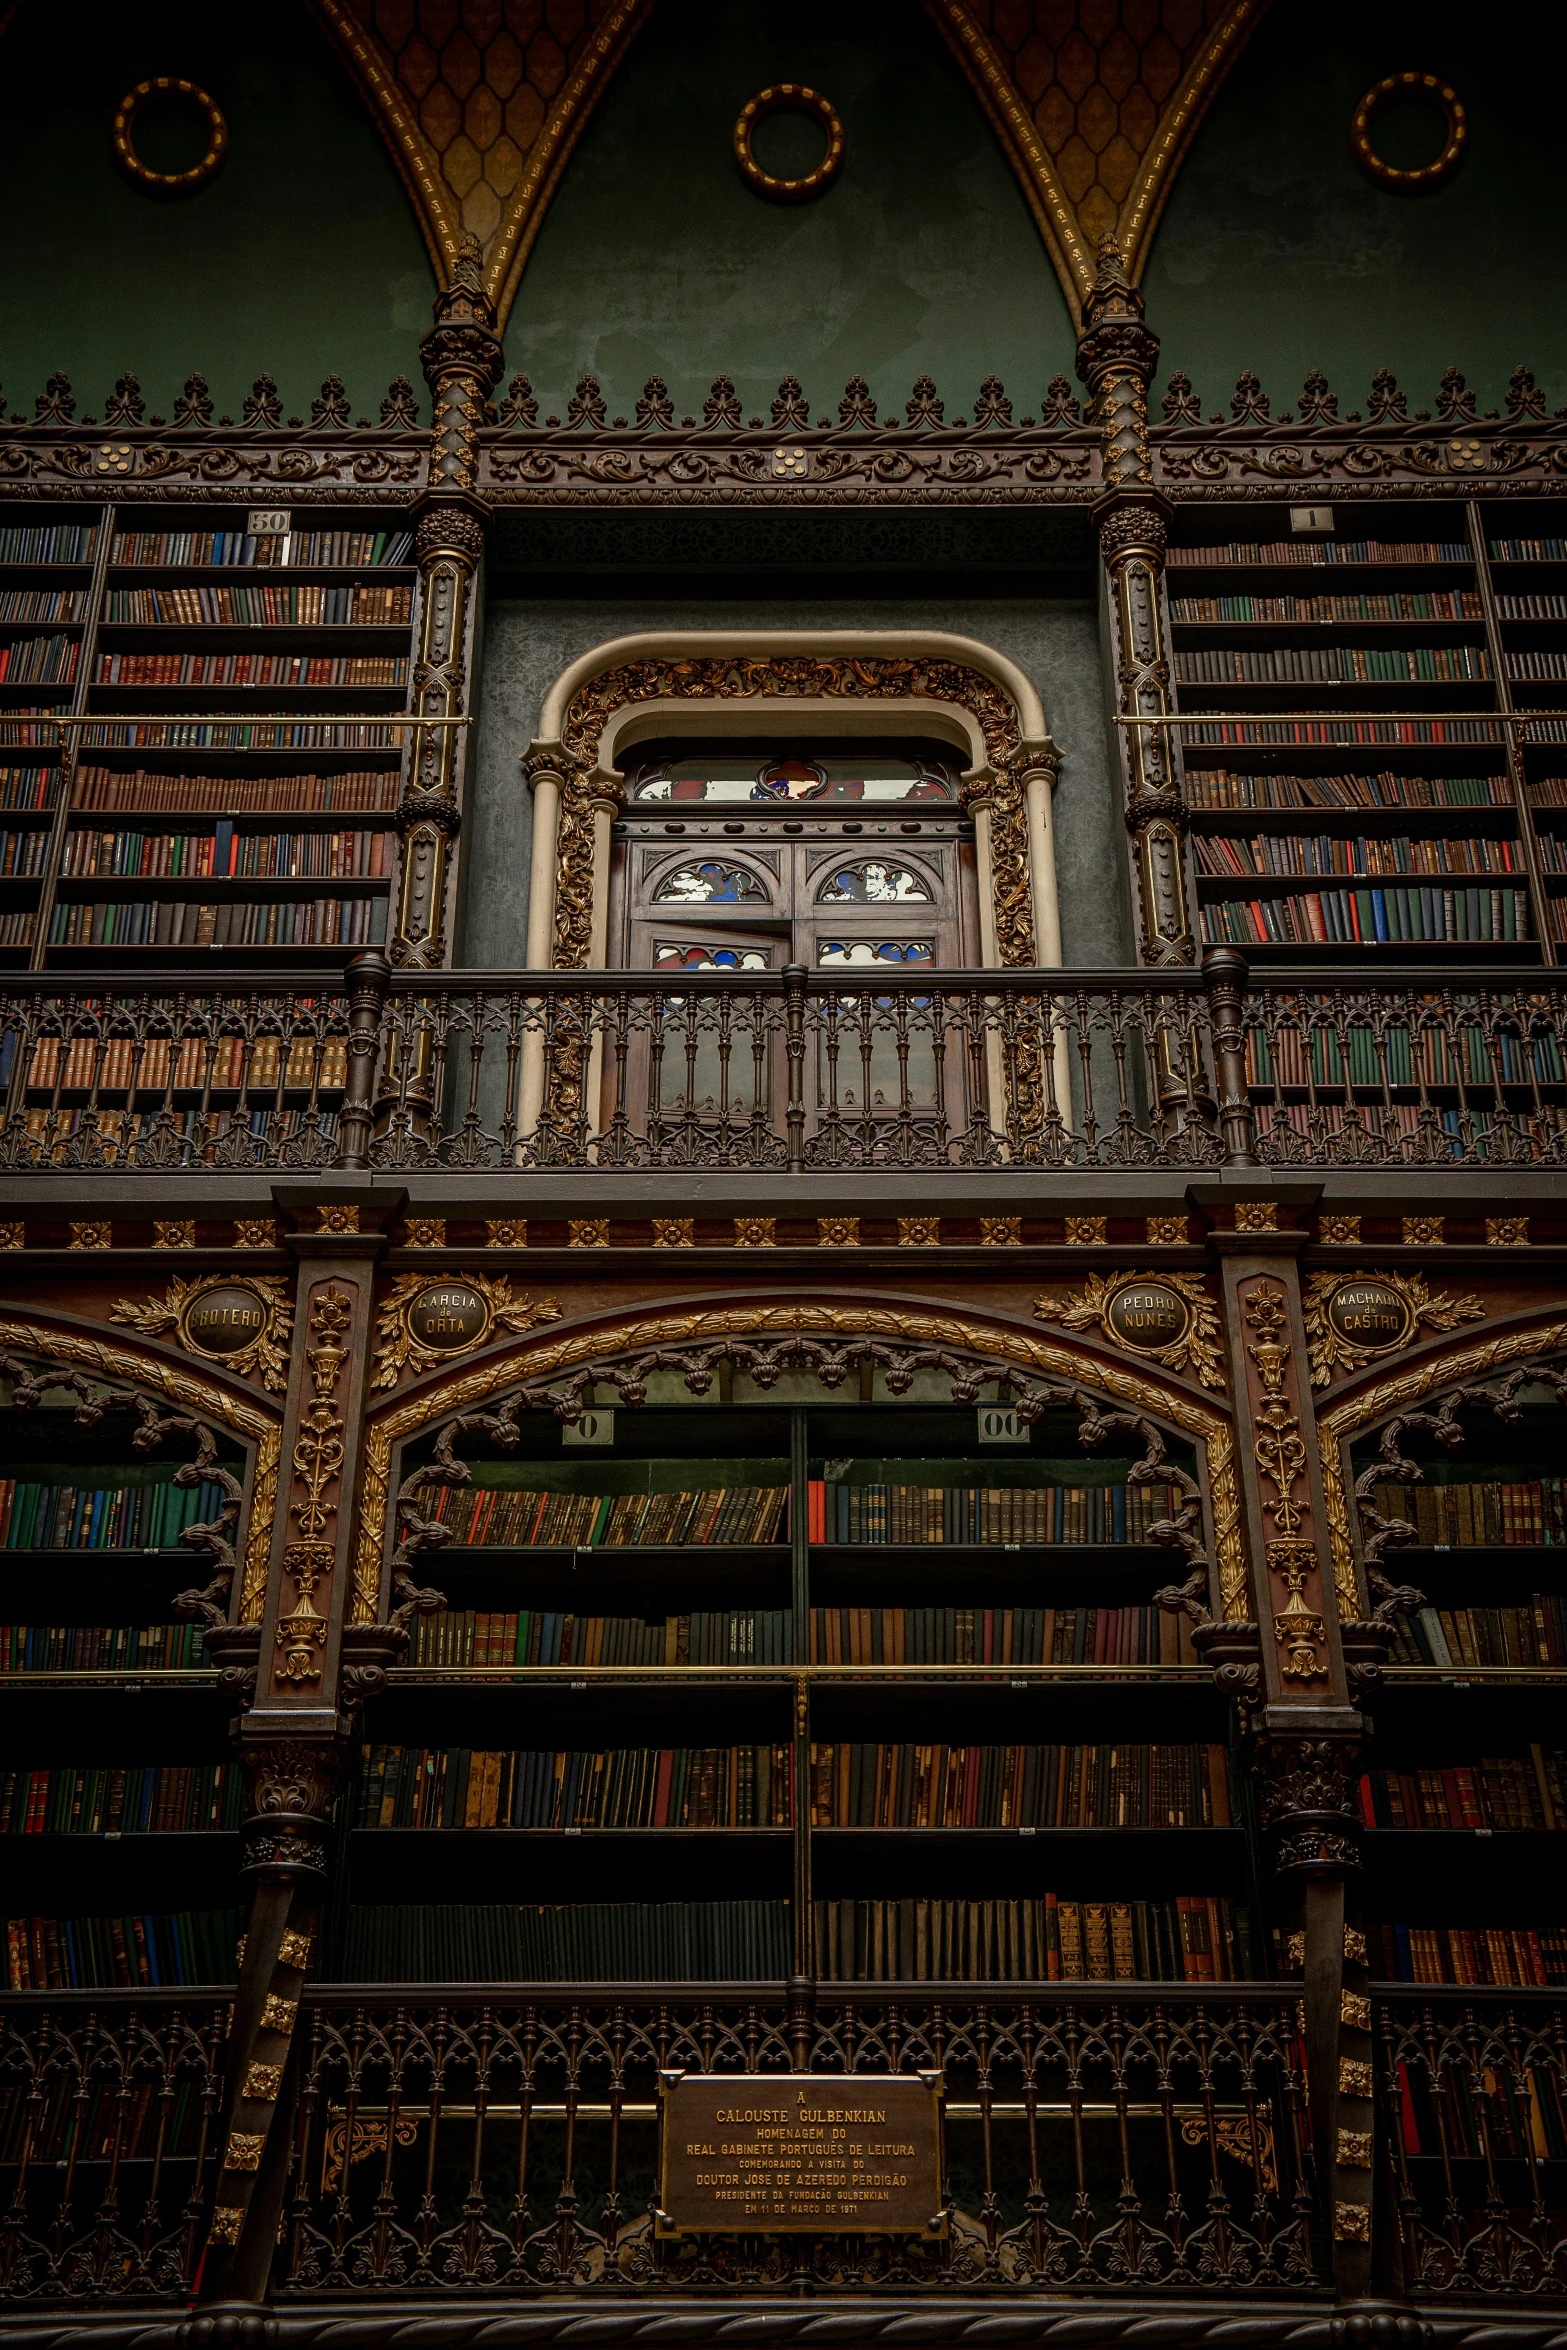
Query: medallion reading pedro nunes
pixel 1148 1315
pixel 819 2154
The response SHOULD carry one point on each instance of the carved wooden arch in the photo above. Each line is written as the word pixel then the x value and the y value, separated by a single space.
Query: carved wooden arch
pixel 897 679
pixel 481 122
pixel 1095 115
pixel 836 1316
pixel 1377 1395
pixel 164 1372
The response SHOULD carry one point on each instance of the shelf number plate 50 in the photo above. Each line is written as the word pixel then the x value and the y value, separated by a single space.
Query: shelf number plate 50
pixel 269 522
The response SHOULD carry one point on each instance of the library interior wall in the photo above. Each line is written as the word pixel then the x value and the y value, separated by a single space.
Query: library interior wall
pixel 1277 253
pixel 528 643
pixel 301 257
pixel 656 259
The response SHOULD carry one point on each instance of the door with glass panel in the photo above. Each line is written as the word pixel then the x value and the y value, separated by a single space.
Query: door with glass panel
pixel 843 863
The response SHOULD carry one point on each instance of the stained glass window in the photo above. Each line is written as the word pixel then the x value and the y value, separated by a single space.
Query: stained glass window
pixel 873 884
pixel 712 884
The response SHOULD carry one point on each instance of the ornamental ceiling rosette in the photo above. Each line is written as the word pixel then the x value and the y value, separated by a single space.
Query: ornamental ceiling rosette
pixel 481 103
pixel 1095 102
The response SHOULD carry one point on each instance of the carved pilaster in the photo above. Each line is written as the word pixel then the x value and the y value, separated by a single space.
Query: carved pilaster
pixel 1116 357
pixel 462 363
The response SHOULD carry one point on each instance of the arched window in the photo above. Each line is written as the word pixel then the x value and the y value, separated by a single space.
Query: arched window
pixel 712 883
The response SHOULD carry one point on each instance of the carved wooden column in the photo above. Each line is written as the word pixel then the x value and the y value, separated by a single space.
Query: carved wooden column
pixel 1308 1740
pixel 1116 356
pixel 290 1745
pixel 462 363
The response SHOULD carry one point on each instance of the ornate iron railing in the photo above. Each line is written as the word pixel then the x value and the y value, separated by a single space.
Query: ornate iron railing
pixel 792 1070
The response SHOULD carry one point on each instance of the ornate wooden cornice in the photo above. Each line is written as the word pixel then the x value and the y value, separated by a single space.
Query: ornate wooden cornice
pixel 480 123
pixel 1095 117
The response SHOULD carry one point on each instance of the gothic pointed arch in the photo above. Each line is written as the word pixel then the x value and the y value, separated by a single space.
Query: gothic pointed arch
pixel 1095 112
pixel 481 107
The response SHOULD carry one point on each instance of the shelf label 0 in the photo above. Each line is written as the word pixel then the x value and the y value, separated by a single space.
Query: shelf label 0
pixel 590 1427
pixel 999 1424
pixel 824 2154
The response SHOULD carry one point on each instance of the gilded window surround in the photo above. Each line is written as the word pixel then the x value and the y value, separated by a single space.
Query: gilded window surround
pixel 1070 227
pixel 724 682
pixel 461 1389
pixel 1376 1398
pixel 170 1375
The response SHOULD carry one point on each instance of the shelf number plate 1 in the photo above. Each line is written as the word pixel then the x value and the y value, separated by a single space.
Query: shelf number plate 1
pixel 590 1427
pixel 269 522
pixel 999 1424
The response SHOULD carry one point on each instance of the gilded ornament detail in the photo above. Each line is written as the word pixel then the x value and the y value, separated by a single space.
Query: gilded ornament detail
pixel 1351 1320
pixel 212 1312
pixel 399 1349
pixel 1167 1316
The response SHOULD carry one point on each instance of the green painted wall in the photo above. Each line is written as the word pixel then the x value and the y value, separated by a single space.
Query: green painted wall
pixel 301 257
pixel 1277 253
pixel 657 259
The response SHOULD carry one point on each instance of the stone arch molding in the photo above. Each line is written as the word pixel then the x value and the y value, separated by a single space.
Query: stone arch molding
pixel 689 1333
pixel 768 684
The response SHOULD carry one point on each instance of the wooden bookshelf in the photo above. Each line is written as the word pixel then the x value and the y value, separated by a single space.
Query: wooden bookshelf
pixel 109 865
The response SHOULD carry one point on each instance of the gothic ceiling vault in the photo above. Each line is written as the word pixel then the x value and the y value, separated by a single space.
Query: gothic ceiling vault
pixel 482 101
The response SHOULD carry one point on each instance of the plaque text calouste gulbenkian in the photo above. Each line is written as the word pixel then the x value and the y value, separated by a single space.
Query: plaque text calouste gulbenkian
pixel 790 2154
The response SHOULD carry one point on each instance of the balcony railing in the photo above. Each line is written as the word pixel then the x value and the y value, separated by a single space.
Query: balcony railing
pixel 777 1072
pixel 1106 2139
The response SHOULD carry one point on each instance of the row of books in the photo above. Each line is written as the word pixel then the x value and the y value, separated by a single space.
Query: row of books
pixel 1315 551
pixel 49 542
pixel 1336 665
pixel 1369 917
pixel 1190 1939
pixel 1000 1635
pixel 604 1942
pixel 919 1515
pixel 157 1799
pixel 1216 787
pixel 1529 550
pixel 1328 852
pixel 27 787
pixel 203 1064
pixel 914 1786
pixel 224 854
pixel 125 1953
pixel 150 1516
pixel 16 930
pixel 1326 731
pixel 522 1517
pixel 1537 664
pixel 1516 1956
pixel 1407 604
pixel 210 1136
pixel 39 660
pixel 1453 1637
pixel 1483 1510
pixel 177 922
pixel 326 549
pixel 280 732
pixel 94 1648
pixel 1553 852
pixel 1531 607
pixel 22 854
pixel 248 668
pixel 625 1787
pixel 540 1636
pixel 41 604
pixel 297 605
pixel 1500 1791
pixel 232 795
pixel 1395 1056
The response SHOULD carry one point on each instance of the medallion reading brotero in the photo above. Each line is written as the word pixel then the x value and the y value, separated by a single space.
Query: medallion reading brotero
pixel 821 2154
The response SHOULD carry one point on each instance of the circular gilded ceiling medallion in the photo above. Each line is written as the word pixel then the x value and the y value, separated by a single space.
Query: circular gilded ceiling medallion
pixel 789 98
pixel 1370 1316
pixel 1148 1316
pixel 449 1315
pixel 1431 87
pixel 169 183
pixel 223 1319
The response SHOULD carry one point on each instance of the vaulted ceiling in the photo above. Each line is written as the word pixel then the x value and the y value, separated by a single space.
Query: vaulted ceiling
pixel 482 101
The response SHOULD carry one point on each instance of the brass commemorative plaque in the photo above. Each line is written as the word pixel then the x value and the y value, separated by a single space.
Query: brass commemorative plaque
pixel 786 2154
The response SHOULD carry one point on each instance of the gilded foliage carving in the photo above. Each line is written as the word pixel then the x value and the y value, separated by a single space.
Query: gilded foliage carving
pixel 399 1351
pixel 265 1357
pixel 1195 1350
pixel 1332 1353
